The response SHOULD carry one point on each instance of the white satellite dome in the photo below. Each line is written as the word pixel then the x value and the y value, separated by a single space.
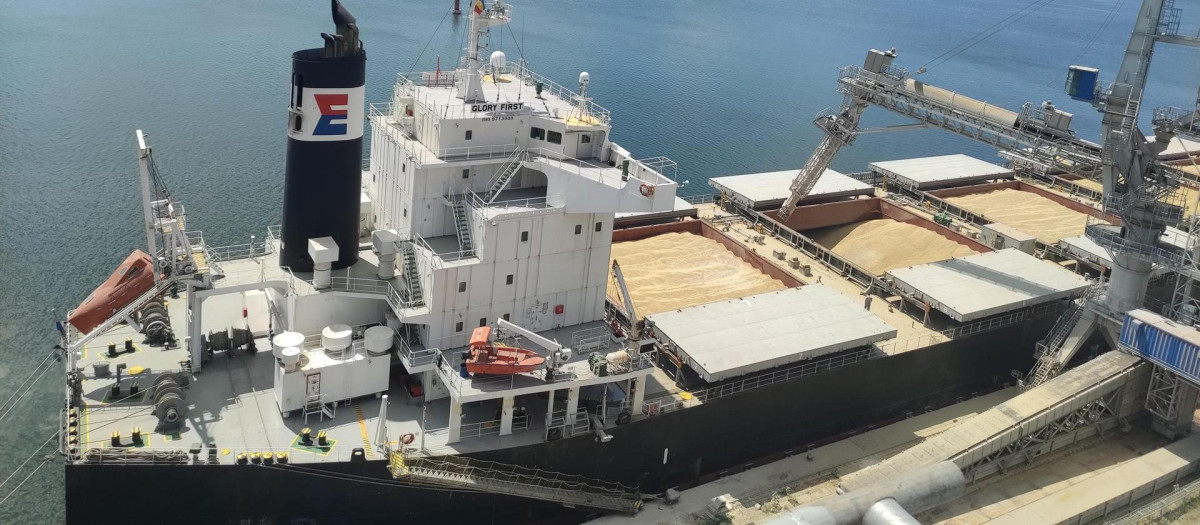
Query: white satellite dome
pixel 497 60
pixel 584 77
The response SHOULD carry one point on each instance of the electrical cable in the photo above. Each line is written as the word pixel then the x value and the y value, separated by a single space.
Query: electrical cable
pixel 1100 30
pixel 949 54
pixel 427 42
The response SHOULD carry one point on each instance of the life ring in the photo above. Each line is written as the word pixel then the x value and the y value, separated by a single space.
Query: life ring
pixel 407 439
pixel 647 190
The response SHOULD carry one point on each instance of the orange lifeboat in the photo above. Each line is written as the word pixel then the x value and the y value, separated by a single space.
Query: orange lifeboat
pixel 485 358
pixel 131 279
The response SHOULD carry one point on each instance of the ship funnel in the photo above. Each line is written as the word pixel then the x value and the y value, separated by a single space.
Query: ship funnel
pixel 323 175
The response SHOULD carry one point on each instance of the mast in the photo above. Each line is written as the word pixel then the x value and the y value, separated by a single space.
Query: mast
pixel 470 83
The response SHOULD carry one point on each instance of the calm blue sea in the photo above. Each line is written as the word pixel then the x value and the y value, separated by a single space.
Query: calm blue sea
pixel 720 87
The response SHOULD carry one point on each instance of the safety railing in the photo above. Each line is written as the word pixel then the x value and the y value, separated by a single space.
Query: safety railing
pixel 673 401
pixel 558 419
pixel 168 455
pixel 469 467
pixel 415 358
pixel 238 251
pixel 408 82
pixel 492 428
pixel 360 285
pixel 477 202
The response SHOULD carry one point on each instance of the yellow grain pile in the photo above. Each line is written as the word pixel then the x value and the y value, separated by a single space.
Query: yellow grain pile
pixel 677 270
pixel 1029 212
pixel 883 244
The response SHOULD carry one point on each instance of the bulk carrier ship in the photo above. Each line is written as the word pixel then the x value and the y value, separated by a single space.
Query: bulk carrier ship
pixel 504 316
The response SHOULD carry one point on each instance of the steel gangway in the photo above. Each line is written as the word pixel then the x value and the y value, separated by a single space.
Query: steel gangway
pixel 1049 361
pixel 487 476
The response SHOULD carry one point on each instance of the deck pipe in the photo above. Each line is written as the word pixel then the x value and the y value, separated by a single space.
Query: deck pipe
pixel 889 503
pixel 323 176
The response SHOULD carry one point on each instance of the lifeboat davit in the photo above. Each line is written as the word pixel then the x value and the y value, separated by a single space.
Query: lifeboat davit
pixel 131 279
pixel 485 358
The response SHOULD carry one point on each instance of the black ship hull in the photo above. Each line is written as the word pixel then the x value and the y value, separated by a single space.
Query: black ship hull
pixel 680 448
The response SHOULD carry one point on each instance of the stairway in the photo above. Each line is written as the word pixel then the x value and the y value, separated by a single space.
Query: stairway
pixel 315 405
pixel 462 227
pixel 1047 354
pixel 412 277
pixel 502 177
pixel 486 476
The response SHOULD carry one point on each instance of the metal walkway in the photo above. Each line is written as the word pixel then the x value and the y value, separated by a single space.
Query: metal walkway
pixel 1079 403
pixel 487 476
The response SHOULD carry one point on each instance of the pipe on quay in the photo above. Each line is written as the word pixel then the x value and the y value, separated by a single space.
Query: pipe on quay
pixel 891 503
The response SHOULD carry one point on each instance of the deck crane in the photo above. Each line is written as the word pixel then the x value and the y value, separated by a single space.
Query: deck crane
pixel 558 355
pixel 627 302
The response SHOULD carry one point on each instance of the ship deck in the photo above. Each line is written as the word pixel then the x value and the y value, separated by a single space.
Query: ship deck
pixel 232 405
pixel 442 98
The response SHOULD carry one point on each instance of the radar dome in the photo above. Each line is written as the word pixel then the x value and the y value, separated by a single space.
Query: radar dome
pixel 497 60
pixel 584 77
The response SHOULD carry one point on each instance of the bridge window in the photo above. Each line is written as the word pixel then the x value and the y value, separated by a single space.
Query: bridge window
pixel 578 229
pixel 467 173
pixel 599 226
pixel 468 134
pixel 509 279
pixel 537 133
pixel 524 236
pixel 462 287
pixel 458 326
pixel 482 321
pixel 505 317
pixel 554 137
pixel 585 139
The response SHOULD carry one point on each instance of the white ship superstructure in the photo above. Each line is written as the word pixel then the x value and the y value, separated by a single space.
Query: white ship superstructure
pixel 505 185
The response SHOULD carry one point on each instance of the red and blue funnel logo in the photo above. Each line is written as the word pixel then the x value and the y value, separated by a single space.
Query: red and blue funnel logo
pixel 332 121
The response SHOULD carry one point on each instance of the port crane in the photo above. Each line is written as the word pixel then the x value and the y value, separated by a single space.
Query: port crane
pixel 1037 138
pixel 1137 187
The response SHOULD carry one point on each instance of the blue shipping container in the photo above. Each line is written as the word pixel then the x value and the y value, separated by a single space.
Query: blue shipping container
pixel 1161 347
pixel 1081 82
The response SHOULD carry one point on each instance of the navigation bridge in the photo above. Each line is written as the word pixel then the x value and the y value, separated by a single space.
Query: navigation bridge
pixel 461 472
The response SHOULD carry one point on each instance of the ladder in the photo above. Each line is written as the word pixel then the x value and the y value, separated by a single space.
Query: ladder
pixel 315 405
pixel 1048 349
pixel 502 177
pixel 412 277
pixel 488 476
pixel 463 228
